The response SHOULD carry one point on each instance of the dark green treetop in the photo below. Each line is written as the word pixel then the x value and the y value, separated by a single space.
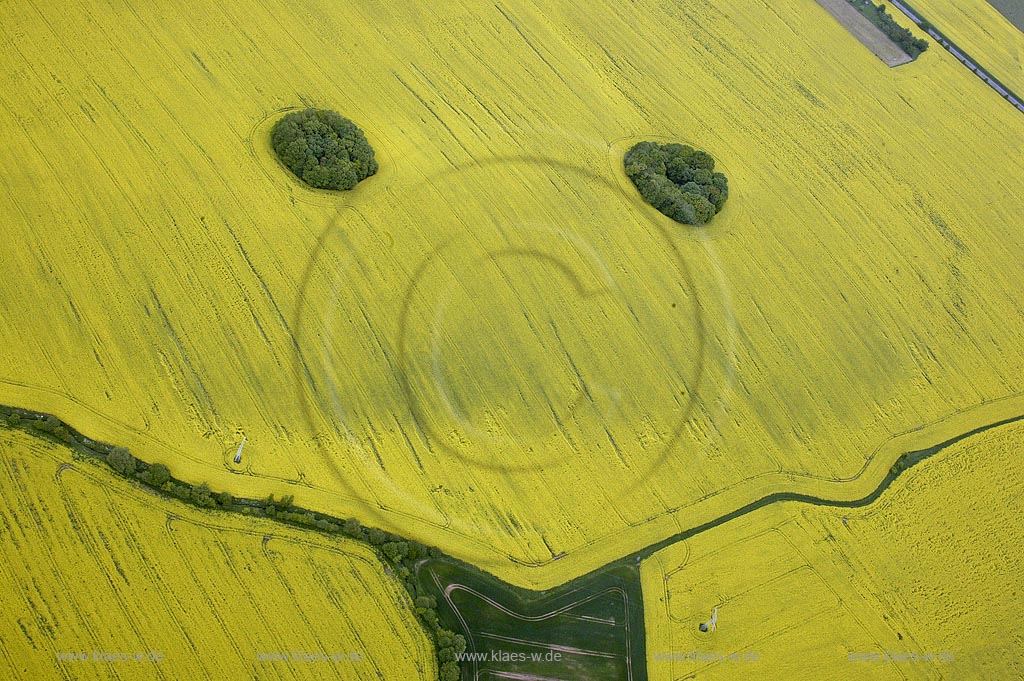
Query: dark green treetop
pixel 324 149
pixel 678 180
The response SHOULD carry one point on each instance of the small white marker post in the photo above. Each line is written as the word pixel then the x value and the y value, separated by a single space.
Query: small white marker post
pixel 238 454
pixel 712 623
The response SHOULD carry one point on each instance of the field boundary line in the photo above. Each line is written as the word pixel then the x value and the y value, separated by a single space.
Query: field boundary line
pixel 972 64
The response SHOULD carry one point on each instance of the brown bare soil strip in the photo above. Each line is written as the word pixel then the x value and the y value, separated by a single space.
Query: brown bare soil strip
pixel 866 32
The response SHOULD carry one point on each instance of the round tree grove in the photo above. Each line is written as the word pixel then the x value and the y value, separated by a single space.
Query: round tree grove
pixel 678 180
pixel 324 149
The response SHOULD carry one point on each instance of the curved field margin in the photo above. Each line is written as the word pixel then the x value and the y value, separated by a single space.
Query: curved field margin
pixel 872 278
pixel 923 583
pixel 102 579
pixel 491 613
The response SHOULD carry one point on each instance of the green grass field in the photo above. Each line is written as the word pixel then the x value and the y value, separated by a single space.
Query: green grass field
pixel 590 628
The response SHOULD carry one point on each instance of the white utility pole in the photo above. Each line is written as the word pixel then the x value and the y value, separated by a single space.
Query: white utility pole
pixel 238 454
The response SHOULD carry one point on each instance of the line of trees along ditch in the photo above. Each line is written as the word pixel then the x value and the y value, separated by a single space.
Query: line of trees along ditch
pixel 878 16
pixel 397 553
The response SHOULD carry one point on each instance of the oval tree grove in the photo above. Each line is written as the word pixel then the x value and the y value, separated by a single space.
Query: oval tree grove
pixel 678 180
pixel 323 149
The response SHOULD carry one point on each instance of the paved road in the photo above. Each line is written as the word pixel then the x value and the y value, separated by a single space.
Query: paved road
pixel 961 56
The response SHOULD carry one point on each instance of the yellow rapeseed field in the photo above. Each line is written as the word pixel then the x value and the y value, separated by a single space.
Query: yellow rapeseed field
pixel 805 592
pixel 96 571
pixel 493 345
pixel 986 35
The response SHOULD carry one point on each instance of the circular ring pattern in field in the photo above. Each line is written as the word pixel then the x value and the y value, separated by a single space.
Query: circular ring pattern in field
pixel 482 257
pixel 472 374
